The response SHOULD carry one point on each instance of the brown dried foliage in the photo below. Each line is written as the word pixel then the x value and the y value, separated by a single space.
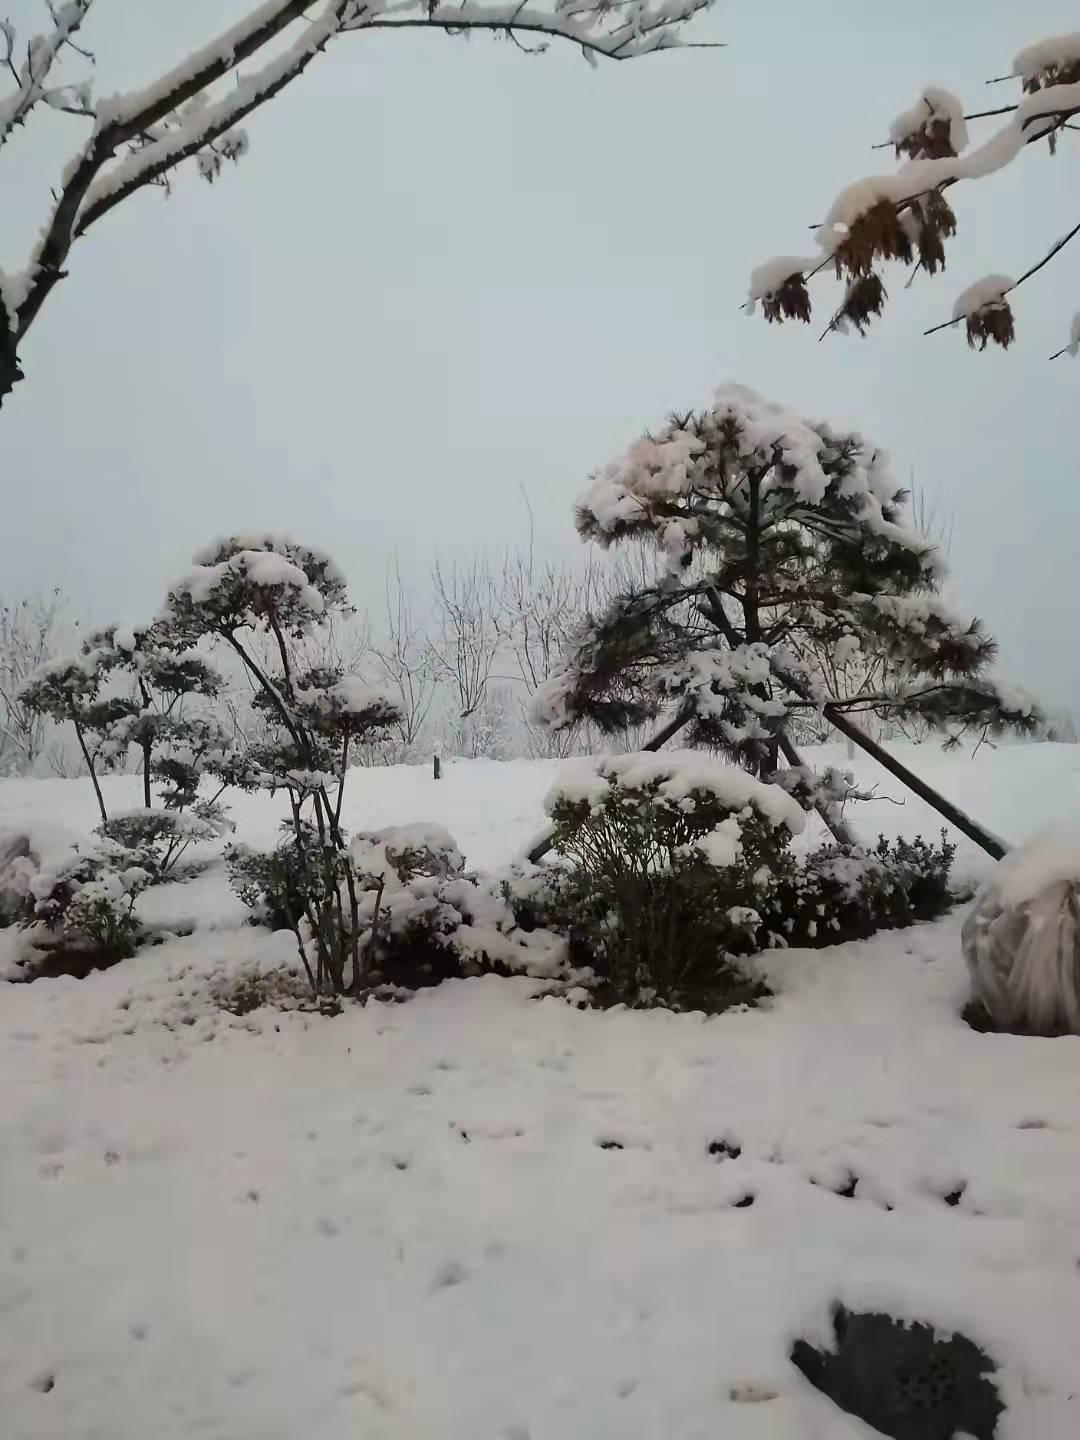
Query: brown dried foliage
pixel 789 301
pixel 865 298
pixel 877 234
pixel 992 322
pixel 932 141
pixel 937 223
pixel 1066 74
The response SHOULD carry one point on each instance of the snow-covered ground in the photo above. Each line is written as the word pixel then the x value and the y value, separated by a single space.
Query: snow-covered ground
pixel 482 1214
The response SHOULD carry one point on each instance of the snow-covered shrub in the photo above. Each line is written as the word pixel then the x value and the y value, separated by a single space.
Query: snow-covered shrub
pixel 664 850
pixel 420 917
pixel 674 866
pixel 846 892
pixel 16 869
pixel 85 903
pixel 1022 941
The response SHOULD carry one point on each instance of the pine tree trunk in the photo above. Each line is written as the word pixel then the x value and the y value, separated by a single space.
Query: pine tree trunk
pixel 964 823
pixel 837 828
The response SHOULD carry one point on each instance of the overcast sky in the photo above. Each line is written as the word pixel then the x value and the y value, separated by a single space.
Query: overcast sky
pixel 447 272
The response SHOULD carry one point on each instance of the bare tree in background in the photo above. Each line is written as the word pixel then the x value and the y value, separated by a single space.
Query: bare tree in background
pixel 464 646
pixel 195 110
pixel 29 636
pixel 542 603
pixel 406 665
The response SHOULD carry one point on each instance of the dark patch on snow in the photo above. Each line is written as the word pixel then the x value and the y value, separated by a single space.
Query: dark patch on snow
pixel 955 1196
pixel 611 1144
pixel 903 1380
pixel 725 1149
pixel 746 1201
pixel 43 1383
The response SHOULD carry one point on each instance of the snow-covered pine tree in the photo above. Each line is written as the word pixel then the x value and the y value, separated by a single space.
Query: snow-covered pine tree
pixel 772 532
pixel 906 217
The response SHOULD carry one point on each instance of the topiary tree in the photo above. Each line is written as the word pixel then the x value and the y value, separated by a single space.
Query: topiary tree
pixel 906 217
pixel 774 536
pixel 127 689
pixel 316 717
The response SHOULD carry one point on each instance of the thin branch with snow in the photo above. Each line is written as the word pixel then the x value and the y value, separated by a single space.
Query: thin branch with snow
pixel 905 216
pixel 139 138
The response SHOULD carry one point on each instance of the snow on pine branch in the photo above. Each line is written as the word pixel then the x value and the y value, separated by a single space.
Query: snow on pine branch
pixel 904 216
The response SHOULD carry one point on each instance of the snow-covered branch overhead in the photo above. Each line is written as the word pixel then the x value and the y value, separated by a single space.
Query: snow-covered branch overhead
pixel 905 217
pixel 195 109
pixel 32 75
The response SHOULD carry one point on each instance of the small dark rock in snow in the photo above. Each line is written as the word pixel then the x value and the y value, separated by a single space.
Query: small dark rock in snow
pixel 725 1149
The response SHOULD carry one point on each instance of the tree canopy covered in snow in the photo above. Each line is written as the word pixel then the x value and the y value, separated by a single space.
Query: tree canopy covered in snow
pixel 776 537
pixel 905 216
pixel 195 110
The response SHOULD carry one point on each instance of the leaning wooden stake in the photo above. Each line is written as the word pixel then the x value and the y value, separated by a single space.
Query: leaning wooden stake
pixel 985 839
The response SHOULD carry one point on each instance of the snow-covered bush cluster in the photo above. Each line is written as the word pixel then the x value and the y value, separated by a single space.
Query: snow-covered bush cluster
pixel 421 917
pixel 905 216
pixel 676 864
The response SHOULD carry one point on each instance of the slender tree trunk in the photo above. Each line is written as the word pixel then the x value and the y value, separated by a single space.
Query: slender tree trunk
pixel 93 774
pixel 146 775
pixel 987 841
pixel 836 827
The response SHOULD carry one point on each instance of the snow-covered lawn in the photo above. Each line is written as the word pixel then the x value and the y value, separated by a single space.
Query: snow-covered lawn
pixel 482 1214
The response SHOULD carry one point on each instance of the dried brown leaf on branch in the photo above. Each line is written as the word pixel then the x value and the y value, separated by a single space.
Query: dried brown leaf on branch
pixel 937 223
pixel 932 141
pixel 865 298
pixel 789 301
pixel 991 323
pixel 877 234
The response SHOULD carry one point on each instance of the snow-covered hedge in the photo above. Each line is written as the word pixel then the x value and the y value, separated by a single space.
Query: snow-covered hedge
pixel 676 866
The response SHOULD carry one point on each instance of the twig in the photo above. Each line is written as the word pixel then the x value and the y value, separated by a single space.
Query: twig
pixel 1034 270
